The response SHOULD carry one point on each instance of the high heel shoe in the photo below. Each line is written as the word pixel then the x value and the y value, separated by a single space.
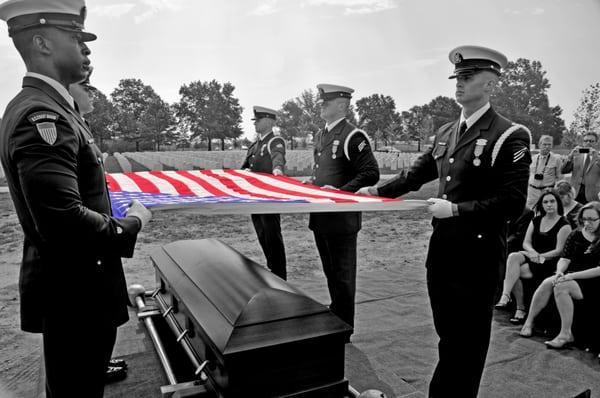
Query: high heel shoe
pixel 519 318
pixel 504 302
pixel 559 343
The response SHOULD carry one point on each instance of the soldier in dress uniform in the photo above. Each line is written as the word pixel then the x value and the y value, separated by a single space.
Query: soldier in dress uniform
pixel 72 285
pixel 343 160
pixel 82 93
pixel 482 163
pixel 267 155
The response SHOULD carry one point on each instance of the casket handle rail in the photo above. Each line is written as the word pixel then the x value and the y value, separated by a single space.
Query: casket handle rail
pixel 136 294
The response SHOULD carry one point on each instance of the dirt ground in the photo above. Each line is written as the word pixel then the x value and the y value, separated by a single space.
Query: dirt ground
pixel 388 239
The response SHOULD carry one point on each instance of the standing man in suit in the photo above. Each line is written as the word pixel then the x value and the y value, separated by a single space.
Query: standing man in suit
pixel 267 155
pixel 344 161
pixel 545 170
pixel 72 285
pixel 582 161
pixel 482 163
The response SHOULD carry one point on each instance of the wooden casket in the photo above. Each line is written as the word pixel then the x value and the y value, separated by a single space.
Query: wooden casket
pixel 261 336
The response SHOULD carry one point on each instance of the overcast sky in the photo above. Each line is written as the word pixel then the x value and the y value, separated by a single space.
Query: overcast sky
pixel 271 50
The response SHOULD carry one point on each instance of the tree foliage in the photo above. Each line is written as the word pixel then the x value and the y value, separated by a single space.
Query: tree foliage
pixel 142 116
pixel 378 116
pixel 521 96
pixel 101 119
pixel 587 116
pixel 210 111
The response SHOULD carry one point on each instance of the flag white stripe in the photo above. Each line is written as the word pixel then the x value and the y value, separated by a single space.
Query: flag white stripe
pixel 163 186
pixel 307 189
pixel 218 185
pixel 125 182
pixel 196 188
pixel 246 185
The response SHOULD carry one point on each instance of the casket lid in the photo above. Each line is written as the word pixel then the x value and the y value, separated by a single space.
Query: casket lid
pixel 223 290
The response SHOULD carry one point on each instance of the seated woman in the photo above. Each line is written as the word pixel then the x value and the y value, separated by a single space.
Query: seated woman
pixel 543 244
pixel 581 256
pixel 570 205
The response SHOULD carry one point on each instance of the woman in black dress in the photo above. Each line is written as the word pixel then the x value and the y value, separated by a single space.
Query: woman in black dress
pixel 542 246
pixel 570 205
pixel 581 257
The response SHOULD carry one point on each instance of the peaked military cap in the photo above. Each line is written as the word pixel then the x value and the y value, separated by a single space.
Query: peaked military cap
pixel 262 112
pixel 62 14
pixel 468 60
pixel 327 92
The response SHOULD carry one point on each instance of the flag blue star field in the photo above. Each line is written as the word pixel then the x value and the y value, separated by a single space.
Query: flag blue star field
pixel 236 192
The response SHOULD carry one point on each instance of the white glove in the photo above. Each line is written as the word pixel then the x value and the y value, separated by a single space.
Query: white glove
pixel 330 187
pixel 137 209
pixel 370 191
pixel 440 208
pixel 277 172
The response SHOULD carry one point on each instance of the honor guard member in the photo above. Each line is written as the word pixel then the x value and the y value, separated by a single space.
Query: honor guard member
pixel 545 170
pixel 344 161
pixel 71 284
pixel 482 163
pixel 82 93
pixel 267 155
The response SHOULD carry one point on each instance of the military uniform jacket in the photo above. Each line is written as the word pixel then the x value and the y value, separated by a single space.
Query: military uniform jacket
pixel 266 154
pixel 590 177
pixel 485 173
pixel 72 246
pixel 343 159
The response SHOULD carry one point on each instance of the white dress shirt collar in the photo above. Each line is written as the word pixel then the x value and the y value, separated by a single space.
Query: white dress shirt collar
pixel 330 126
pixel 55 85
pixel 471 120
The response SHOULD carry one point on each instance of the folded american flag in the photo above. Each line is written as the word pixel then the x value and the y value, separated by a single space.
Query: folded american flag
pixel 236 192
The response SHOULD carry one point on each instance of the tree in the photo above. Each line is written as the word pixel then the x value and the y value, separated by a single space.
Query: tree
pixel 417 124
pixel 442 110
pixel 101 119
pixel 141 115
pixel 521 96
pixel 376 114
pixel 210 111
pixel 587 115
pixel 160 122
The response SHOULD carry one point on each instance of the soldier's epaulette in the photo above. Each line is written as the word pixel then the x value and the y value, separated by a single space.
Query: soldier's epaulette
pixel 40 116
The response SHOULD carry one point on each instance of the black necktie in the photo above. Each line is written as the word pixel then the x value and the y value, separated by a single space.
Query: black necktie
pixel 586 163
pixel 462 129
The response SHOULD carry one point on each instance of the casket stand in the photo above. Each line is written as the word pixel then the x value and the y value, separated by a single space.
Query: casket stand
pixel 245 332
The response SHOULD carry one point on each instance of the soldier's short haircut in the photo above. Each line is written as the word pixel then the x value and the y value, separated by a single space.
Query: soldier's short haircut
pixel 23 40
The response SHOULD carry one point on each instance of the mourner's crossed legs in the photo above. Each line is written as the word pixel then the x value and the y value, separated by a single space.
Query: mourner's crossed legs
pixel 538 302
pixel 463 345
pixel 268 230
pixel 564 294
pixel 338 255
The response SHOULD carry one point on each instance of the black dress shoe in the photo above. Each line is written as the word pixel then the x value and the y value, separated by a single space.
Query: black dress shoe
pixel 117 363
pixel 114 374
pixel 586 394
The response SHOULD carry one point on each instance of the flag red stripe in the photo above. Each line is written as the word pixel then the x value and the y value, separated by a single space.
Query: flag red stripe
pixel 234 187
pixel 263 185
pixel 113 185
pixel 144 184
pixel 179 186
pixel 203 183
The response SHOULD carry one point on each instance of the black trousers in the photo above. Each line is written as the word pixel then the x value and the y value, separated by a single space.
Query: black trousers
pixel 338 256
pixel 463 343
pixel 76 356
pixel 268 230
